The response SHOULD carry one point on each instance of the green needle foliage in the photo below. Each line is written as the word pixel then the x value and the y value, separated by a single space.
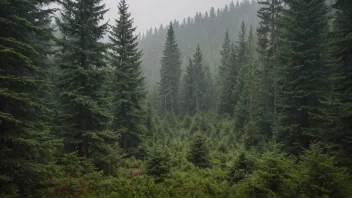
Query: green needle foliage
pixel 158 162
pixel 303 82
pixel 128 82
pixel 199 152
pixel 277 122
pixel 170 74
pixel 81 60
pixel 26 144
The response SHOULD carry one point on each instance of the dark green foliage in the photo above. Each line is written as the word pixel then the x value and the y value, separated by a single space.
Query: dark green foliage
pixel 199 153
pixel 158 162
pixel 303 83
pixel 127 88
pixel 194 85
pixel 26 144
pixel 338 104
pixel 228 73
pixel 241 74
pixel 170 74
pixel 297 84
pixel 240 169
pixel 319 175
pixel 82 97
pixel 150 120
pixel 246 84
pixel 272 176
pixel 267 48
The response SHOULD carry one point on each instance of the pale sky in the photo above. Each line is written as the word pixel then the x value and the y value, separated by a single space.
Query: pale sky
pixel 151 13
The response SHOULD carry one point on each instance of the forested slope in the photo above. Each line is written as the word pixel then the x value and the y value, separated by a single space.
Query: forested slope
pixel 208 29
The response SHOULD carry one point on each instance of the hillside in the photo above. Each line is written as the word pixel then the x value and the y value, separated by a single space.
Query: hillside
pixel 208 29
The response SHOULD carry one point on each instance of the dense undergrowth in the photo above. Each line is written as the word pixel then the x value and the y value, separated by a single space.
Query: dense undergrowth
pixel 230 167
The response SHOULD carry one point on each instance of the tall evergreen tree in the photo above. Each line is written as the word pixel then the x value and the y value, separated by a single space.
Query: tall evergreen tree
pixel 194 90
pixel 303 83
pixel 241 61
pixel 200 89
pixel 225 78
pixel 268 40
pixel 338 104
pixel 199 152
pixel 81 59
pixel 26 145
pixel 246 106
pixel 128 88
pixel 189 78
pixel 170 74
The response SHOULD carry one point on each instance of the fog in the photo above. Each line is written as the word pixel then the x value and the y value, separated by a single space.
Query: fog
pixel 151 13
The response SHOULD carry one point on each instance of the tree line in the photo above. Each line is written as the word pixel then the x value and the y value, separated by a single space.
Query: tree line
pixel 269 117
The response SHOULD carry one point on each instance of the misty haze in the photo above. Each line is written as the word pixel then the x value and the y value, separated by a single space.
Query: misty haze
pixel 166 98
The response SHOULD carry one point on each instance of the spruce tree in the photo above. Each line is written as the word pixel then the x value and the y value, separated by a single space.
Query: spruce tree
pixel 200 89
pixel 170 74
pixel 128 88
pixel 319 176
pixel 189 78
pixel 26 142
pixel 244 105
pixel 158 162
pixel 228 59
pixel 210 89
pixel 81 85
pixel 268 41
pixel 303 83
pixel 337 106
pixel 194 90
pixel 241 61
pixel 199 153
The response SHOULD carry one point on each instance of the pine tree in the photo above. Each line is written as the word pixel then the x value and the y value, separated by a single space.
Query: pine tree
pixel 268 41
pixel 26 142
pixel 244 105
pixel 170 74
pixel 128 88
pixel 81 85
pixel 194 90
pixel 337 106
pixel 200 89
pixel 225 84
pixel 241 61
pixel 188 90
pixel 199 153
pixel 319 175
pixel 158 162
pixel 302 81
pixel 210 89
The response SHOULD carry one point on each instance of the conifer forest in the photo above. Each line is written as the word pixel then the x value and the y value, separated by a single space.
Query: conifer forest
pixel 253 99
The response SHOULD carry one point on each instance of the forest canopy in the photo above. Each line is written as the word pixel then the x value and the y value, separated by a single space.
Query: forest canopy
pixel 251 100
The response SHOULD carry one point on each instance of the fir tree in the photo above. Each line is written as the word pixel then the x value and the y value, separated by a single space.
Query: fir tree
pixel 199 153
pixel 194 93
pixel 302 80
pixel 81 59
pixel 244 105
pixel 268 41
pixel 319 175
pixel 170 74
pixel 338 104
pixel 188 90
pixel 200 89
pixel 241 61
pixel 158 162
pixel 128 88
pixel 228 59
pixel 26 144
